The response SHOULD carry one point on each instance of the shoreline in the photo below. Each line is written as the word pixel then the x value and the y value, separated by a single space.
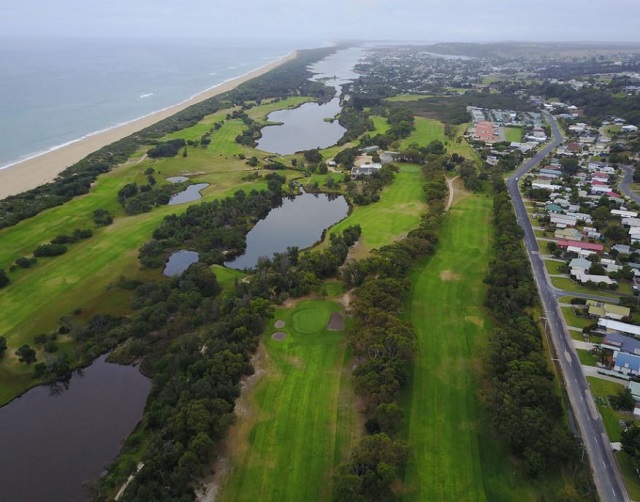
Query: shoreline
pixel 42 168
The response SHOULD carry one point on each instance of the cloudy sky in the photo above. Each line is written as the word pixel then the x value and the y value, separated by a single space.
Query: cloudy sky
pixel 428 20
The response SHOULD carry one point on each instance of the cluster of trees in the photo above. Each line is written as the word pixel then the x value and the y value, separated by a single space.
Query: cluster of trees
pixel 597 103
pixel 524 407
pixel 102 217
pixel 216 229
pixel 470 177
pixel 355 120
pixel 137 199
pixel 384 346
pixel 167 148
pixel 4 278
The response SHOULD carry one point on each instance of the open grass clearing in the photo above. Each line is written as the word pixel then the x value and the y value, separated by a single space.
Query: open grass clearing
pixel 513 134
pixel 301 420
pixel 586 357
pixel 571 286
pixel 407 97
pixel 629 475
pixel 428 130
pixel 601 389
pixel 381 124
pixel 573 320
pixel 392 217
pixel 553 267
pixel 455 455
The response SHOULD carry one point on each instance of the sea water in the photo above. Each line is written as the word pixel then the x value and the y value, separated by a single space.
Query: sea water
pixel 55 91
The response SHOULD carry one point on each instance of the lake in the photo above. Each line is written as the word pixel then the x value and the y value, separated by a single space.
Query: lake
pixel 299 221
pixel 179 262
pixel 52 444
pixel 189 194
pixel 305 127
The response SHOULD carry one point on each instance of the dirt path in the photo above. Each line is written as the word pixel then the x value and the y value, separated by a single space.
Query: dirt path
pixel 451 192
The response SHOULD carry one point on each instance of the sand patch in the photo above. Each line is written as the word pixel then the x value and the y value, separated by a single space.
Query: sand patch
pixel 279 324
pixel 278 336
pixel 336 322
pixel 448 275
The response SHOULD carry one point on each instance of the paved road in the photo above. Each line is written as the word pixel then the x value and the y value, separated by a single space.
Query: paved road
pixel 626 181
pixel 603 465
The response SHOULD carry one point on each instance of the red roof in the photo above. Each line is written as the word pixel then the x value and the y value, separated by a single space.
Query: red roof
pixel 599 183
pixel 598 248
pixel 614 194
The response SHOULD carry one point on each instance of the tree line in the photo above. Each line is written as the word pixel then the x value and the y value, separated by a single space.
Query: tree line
pixel 384 346
pixel 525 409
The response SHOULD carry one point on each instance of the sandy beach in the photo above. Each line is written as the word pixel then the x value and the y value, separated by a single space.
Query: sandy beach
pixel 38 170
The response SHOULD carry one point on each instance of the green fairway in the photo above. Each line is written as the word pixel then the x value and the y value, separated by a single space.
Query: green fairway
pixel 396 213
pixel 455 455
pixel 428 130
pixel 513 134
pixel 301 419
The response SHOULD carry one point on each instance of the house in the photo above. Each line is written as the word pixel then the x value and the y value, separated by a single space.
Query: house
pixel 622 249
pixel 370 149
pixel 365 169
pixel 621 343
pixel 634 387
pixel 583 278
pixel 628 128
pixel 563 220
pixel 587 246
pixel 568 233
pixel 612 326
pixel 615 312
pixel 627 364
pixel 630 222
pixel 554 208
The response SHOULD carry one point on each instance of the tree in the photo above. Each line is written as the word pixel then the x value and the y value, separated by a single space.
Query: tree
pixel 4 278
pixel 623 400
pixel 3 346
pixel 26 354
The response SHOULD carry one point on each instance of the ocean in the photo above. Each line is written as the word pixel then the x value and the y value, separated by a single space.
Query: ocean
pixel 55 91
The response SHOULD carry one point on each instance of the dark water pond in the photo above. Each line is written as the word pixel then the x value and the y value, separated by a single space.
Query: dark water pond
pixel 52 444
pixel 298 222
pixel 189 194
pixel 305 127
pixel 179 262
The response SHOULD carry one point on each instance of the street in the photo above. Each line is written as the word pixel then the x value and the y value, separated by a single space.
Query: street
pixel 604 468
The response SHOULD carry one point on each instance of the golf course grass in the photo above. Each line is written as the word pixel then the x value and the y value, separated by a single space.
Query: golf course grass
pixel 454 454
pixel 396 213
pixel 428 130
pixel 301 419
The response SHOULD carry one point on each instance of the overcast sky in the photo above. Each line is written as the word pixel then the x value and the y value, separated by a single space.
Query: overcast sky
pixel 428 20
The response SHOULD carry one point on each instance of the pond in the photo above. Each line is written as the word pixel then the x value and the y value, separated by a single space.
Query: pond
pixel 189 194
pixel 179 262
pixel 177 179
pixel 306 127
pixel 54 443
pixel 299 222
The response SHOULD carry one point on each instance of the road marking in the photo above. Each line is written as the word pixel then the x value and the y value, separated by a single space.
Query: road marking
pixel 568 357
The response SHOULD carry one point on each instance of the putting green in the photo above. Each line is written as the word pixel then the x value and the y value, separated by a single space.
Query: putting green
pixel 311 320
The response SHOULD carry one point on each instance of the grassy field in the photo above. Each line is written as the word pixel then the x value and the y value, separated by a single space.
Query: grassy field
pixel 55 287
pixel 513 134
pixel 629 474
pixel 586 357
pixel 396 213
pixel 553 266
pixel 571 286
pixel 573 320
pixel 455 457
pixel 428 130
pixel 301 419
pixel 610 418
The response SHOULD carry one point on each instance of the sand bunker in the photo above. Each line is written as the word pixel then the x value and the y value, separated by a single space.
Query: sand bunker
pixel 336 322
pixel 278 336
pixel 279 324
pixel 448 275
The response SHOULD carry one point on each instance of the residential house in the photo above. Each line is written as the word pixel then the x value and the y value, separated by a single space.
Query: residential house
pixel 612 326
pixel 610 311
pixel 627 364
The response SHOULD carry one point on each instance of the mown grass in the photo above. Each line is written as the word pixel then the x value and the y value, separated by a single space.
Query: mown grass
pixel 396 213
pixel 629 474
pixel 301 419
pixel 513 134
pixel 428 130
pixel 573 320
pixel 553 267
pixel 571 286
pixel 454 454
pixel 586 357
pixel 407 97
pixel 601 389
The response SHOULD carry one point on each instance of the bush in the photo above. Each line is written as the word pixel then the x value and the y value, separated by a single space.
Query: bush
pixel 50 250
